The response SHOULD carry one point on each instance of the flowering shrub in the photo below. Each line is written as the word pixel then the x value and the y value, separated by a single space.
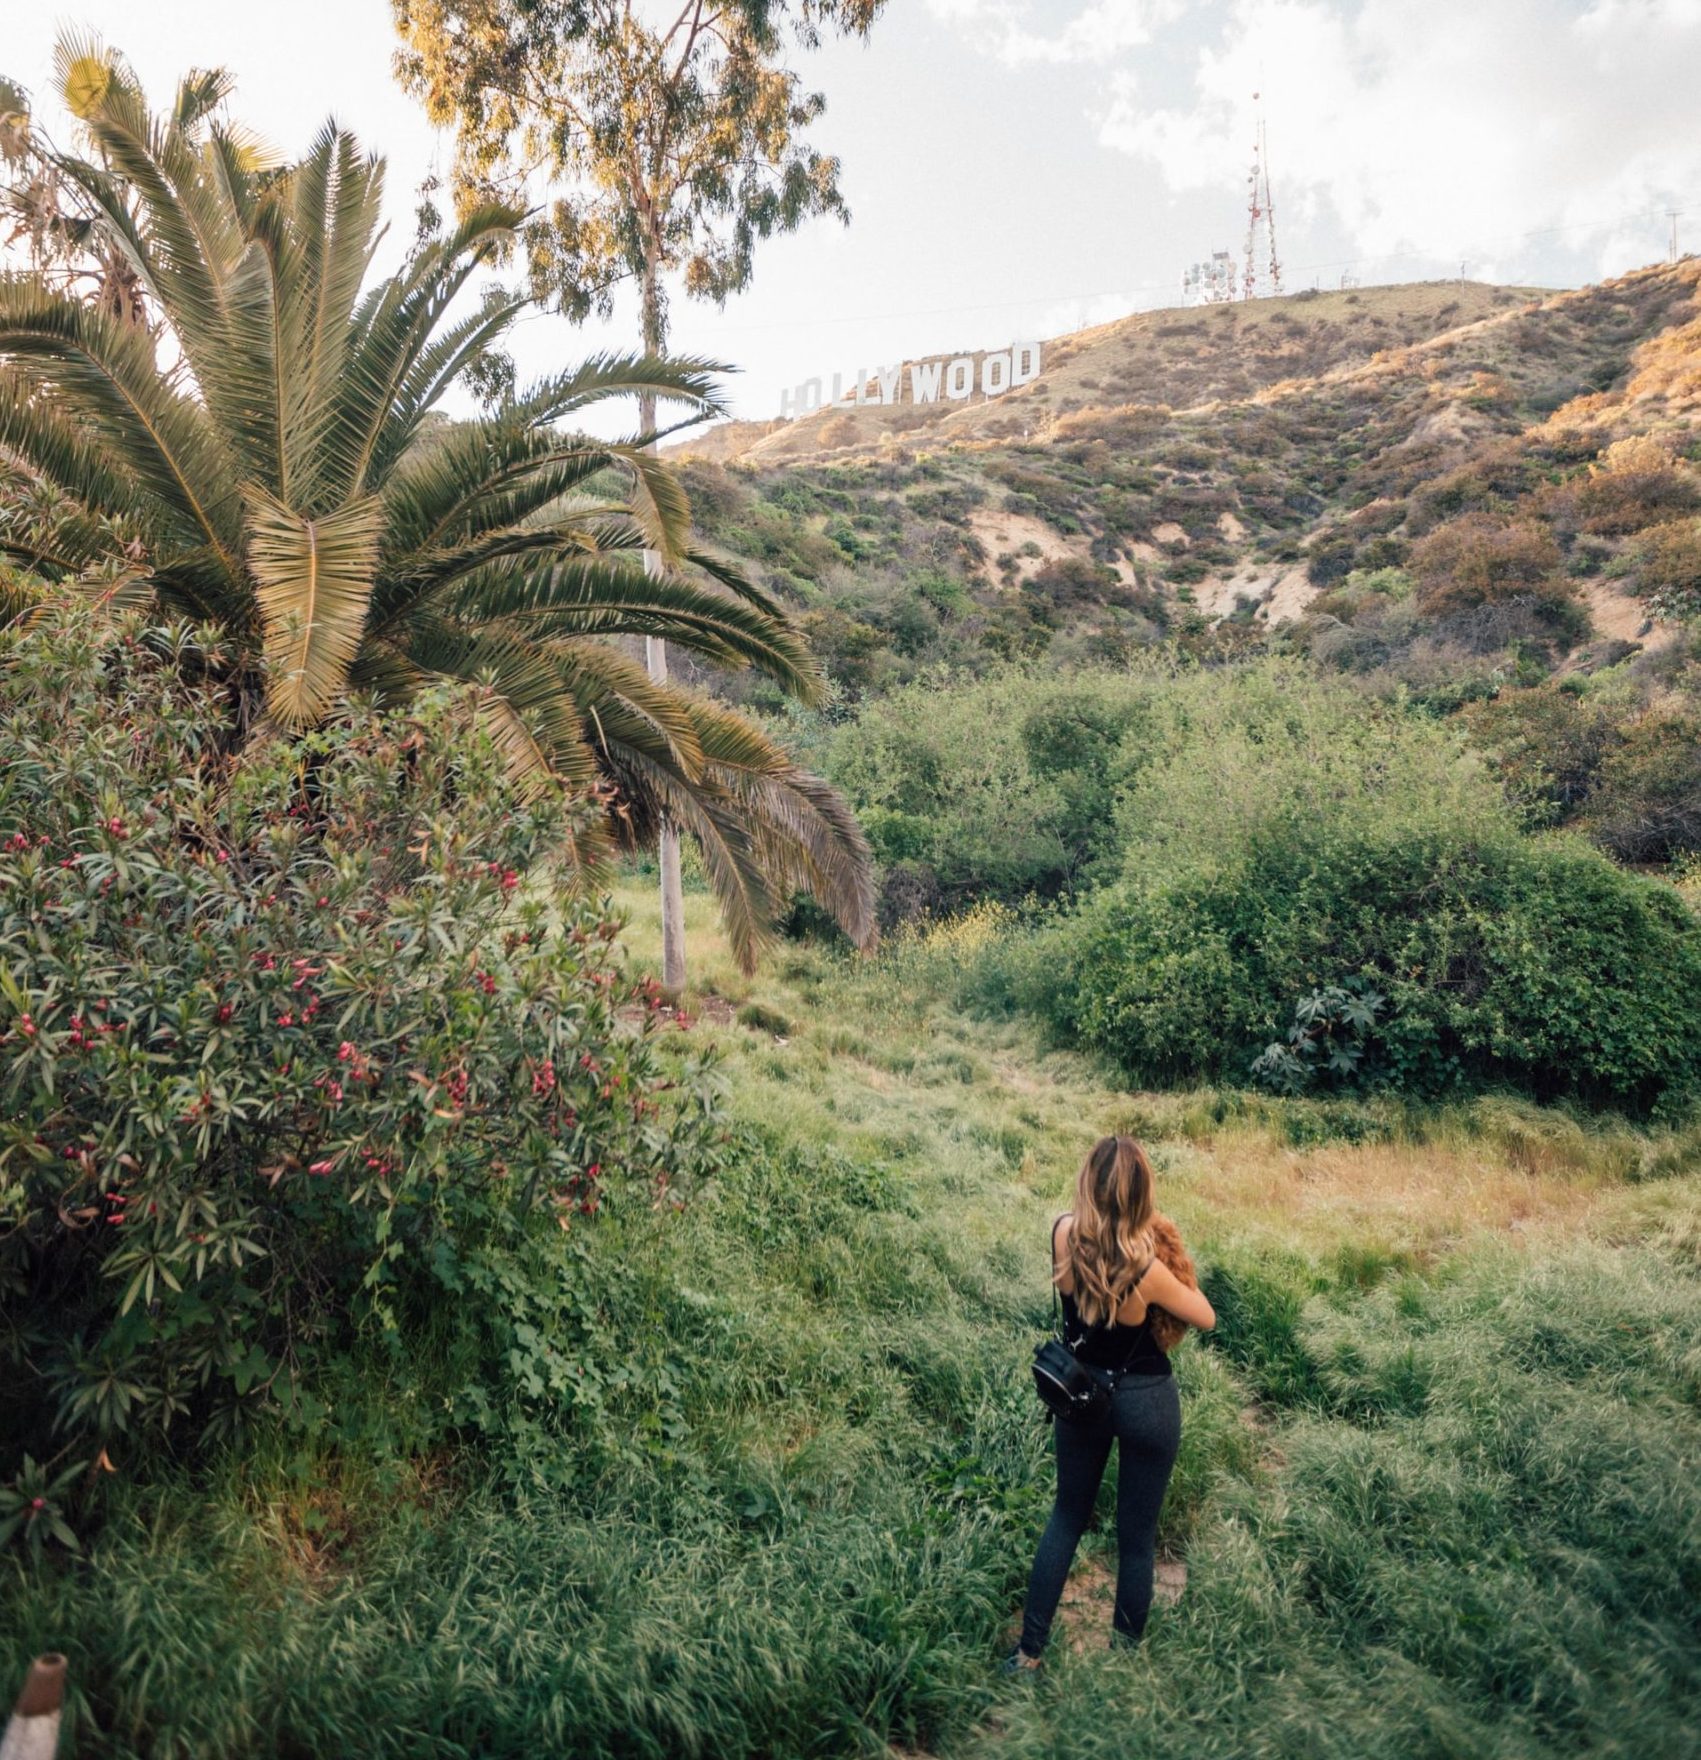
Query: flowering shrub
pixel 286 1047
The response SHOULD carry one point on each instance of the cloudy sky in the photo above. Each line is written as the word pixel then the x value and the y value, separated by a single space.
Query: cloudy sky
pixel 1018 168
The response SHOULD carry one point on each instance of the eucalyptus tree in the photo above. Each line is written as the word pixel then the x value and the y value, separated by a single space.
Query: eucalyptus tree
pixel 661 138
pixel 266 455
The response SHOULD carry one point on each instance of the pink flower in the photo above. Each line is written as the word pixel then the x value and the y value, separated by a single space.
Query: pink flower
pixel 322 1166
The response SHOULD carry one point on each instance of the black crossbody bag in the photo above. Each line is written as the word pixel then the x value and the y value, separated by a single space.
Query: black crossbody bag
pixel 1067 1387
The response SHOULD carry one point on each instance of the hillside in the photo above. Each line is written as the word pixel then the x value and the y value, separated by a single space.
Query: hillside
pixel 1179 358
pixel 1179 471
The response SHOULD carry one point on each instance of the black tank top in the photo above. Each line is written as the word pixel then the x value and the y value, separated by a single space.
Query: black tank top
pixel 1131 1349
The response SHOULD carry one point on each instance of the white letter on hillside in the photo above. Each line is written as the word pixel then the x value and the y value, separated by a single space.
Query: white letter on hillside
pixel 789 405
pixel 959 378
pixel 809 397
pixel 995 374
pixel 889 377
pixel 924 382
pixel 1024 362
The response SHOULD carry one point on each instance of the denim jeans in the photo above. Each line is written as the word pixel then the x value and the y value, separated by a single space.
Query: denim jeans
pixel 1144 1416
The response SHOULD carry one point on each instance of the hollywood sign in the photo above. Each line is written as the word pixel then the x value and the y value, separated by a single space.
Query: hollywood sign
pixel 928 381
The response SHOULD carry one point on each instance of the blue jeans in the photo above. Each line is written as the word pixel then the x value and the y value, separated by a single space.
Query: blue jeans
pixel 1144 1416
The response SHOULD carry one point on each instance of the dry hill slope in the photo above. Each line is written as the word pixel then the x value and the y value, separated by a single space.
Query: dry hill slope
pixel 1204 474
pixel 1178 358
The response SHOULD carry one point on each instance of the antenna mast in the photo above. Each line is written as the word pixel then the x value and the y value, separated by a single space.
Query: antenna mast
pixel 1269 210
pixel 1260 206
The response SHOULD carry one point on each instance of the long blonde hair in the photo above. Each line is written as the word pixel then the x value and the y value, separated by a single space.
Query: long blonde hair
pixel 1110 1243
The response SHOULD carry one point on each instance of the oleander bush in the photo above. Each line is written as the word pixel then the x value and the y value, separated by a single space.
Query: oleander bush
pixel 288 1053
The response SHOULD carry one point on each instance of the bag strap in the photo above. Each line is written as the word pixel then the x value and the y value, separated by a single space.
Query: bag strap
pixel 1056 1302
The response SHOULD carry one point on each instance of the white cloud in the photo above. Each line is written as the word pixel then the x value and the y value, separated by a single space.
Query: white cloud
pixel 1026 31
pixel 1444 128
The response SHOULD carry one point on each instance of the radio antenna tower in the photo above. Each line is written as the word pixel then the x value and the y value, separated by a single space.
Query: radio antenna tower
pixel 1260 206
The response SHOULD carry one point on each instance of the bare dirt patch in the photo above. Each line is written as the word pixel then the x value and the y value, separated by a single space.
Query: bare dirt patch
pixel 1616 614
pixel 1089 1599
pixel 1006 534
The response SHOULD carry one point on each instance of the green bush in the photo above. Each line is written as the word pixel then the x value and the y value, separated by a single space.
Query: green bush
pixel 283 1053
pixel 1647 804
pixel 999 787
pixel 1291 837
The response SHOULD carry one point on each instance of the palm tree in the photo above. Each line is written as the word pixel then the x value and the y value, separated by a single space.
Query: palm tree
pixel 266 457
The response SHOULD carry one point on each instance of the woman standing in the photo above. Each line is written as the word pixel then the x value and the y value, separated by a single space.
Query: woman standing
pixel 1105 1267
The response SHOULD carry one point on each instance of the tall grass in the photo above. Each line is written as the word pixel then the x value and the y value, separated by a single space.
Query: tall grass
pixel 1437 1494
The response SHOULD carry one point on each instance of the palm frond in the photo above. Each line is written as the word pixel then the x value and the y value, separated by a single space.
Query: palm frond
pixel 618 695
pixel 313 580
pixel 658 502
pixel 810 838
pixel 21 602
pixel 525 705
pixel 652 791
pixel 103 372
pixel 370 434
pixel 612 595
pixel 733 578
pixel 65 454
pixel 603 376
pixel 481 474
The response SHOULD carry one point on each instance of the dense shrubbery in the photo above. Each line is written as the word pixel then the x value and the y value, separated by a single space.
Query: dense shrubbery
pixel 1002 787
pixel 1669 568
pixel 1479 560
pixel 1288 837
pixel 283 1054
pixel 1628 776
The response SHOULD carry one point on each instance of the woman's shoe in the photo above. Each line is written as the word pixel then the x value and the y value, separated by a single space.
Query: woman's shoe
pixel 1019 1662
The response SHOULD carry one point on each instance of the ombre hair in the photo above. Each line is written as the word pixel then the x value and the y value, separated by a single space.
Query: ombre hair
pixel 1110 1244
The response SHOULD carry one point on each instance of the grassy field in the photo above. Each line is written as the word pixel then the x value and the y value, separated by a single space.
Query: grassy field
pixel 1438 1491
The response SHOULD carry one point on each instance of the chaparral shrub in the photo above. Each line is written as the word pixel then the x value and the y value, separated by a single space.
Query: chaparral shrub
pixel 1669 568
pixel 286 1049
pixel 1481 559
pixel 1636 482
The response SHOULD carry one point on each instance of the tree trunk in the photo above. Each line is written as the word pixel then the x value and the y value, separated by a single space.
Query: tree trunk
pixel 655 656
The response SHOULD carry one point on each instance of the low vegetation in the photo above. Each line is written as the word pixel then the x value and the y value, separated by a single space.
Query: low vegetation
pixel 1432 1491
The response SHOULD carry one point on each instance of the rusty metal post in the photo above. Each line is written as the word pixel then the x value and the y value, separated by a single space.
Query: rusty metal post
pixel 33 1732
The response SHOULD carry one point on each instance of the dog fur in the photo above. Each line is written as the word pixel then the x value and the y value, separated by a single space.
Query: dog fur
pixel 1166 1241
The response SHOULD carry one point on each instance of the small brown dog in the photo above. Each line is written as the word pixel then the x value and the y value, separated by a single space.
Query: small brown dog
pixel 1166 1243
